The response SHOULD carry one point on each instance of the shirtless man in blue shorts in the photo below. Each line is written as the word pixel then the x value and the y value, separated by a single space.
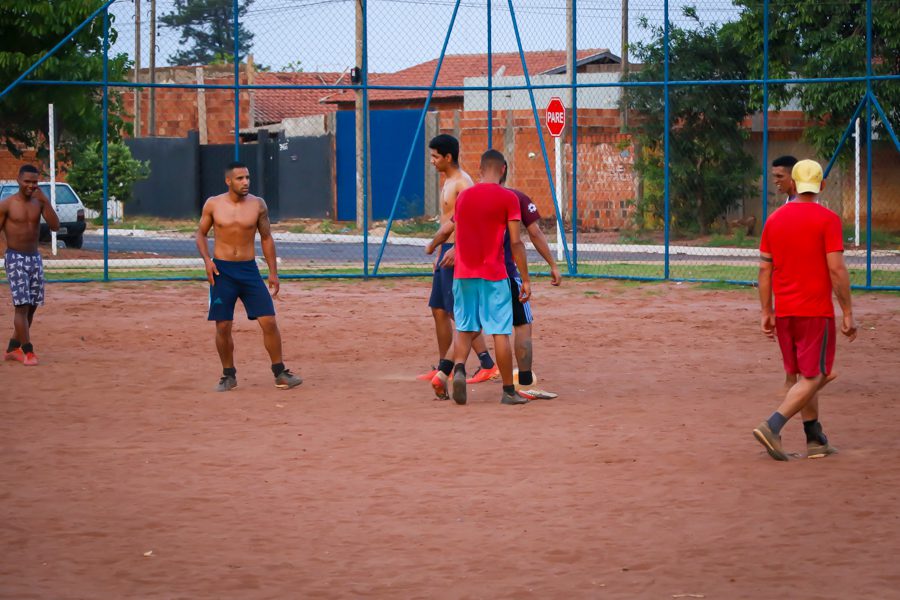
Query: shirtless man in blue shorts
pixel 236 216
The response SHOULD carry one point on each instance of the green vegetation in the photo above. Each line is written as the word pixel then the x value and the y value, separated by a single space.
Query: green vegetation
pixel 29 30
pixel 124 171
pixel 415 228
pixel 207 31
pixel 709 169
pixel 882 240
pixel 738 239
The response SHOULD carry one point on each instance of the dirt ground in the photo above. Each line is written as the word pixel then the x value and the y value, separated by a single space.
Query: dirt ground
pixel 124 476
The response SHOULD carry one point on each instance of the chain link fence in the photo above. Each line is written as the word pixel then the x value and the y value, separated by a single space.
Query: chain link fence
pixel 662 170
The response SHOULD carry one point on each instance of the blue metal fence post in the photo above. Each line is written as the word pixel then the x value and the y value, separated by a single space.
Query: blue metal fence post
pixel 765 139
pixel 412 148
pixel 540 134
pixel 868 143
pixel 666 136
pixel 574 78
pixel 365 140
pixel 490 85
pixel 237 81
pixel 105 143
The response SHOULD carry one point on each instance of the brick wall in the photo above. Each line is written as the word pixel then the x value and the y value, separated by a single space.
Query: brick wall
pixel 177 108
pixel 606 183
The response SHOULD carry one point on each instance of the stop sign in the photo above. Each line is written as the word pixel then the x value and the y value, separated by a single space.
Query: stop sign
pixel 556 117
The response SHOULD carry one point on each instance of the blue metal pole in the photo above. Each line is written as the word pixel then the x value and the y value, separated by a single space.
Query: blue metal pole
pixel 105 142
pixel 237 81
pixel 412 147
pixel 574 77
pixel 886 121
pixel 490 69
pixel 41 61
pixel 868 143
pixel 765 139
pixel 843 140
pixel 666 117
pixel 540 134
pixel 365 140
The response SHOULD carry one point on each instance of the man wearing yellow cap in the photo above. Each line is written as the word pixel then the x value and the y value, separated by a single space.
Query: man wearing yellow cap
pixel 802 262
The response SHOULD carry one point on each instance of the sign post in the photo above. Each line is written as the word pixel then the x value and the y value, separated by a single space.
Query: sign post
pixel 556 124
pixel 52 140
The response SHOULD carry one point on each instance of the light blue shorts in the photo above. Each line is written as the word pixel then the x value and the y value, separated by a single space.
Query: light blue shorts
pixel 479 304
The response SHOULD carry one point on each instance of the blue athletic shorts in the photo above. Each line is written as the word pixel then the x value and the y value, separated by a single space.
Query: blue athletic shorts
pixel 239 279
pixel 485 305
pixel 442 284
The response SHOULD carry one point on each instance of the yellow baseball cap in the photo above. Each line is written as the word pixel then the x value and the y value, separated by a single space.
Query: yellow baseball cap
pixel 807 175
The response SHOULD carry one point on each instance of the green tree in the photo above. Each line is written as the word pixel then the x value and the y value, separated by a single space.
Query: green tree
pixel 28 30
pixel 85 174
pixel 207 28
pixel 823 39
pixel 709 168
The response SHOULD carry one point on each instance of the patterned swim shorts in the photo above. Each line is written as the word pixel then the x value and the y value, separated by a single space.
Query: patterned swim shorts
pixel 25 273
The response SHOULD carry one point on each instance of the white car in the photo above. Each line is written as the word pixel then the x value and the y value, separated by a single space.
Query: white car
pixel 68 206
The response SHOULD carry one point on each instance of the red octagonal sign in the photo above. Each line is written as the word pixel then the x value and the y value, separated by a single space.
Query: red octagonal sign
pixel 556 117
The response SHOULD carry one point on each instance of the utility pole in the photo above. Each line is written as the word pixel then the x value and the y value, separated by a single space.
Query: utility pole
pixel 153 67
pixel 137 67
pixel 624 64
pixel 360 130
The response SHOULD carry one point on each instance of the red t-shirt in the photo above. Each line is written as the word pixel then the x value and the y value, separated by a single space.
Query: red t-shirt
pixel 482 215
pixel 798 236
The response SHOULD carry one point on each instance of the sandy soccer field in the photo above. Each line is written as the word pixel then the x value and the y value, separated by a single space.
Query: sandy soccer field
pixel 124 476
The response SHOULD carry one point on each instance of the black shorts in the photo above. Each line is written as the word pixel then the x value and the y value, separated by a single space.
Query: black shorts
pixel 442 284
pixel 521 312
pixel 239 279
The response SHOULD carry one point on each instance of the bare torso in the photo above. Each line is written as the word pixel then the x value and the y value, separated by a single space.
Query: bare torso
pixel 235 225
pixel 453 186
pixel 21 222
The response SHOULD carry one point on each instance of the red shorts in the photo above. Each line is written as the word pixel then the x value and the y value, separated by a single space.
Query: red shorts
pixel 807 344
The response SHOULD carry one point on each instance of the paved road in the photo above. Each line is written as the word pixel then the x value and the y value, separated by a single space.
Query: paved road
pixel 332 252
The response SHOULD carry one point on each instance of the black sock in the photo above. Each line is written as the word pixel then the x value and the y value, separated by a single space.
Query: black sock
pixel 813 431
pixel 485 359
pixel 445 366
pixel 27 348
pixel 278 369
pixel 13 344
pixel 460 368
pixel 229 372
pixel 525 378
pixel 509 389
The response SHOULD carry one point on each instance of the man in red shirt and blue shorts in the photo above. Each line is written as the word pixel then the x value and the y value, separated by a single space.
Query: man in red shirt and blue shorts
pixel 484 215
pixel 802 262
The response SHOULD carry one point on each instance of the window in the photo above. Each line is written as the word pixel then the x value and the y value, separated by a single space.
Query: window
pixel 64 194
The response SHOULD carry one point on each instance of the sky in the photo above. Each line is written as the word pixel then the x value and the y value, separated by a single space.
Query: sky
pixel 319 34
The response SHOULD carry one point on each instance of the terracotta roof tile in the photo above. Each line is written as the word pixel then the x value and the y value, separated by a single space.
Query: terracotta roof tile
pixel 272 106
pixel 455 69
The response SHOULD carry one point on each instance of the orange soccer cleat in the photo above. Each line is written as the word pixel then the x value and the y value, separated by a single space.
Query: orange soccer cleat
pixel 16 355
pixel 482 375
pixel 427 376
pixel 31 360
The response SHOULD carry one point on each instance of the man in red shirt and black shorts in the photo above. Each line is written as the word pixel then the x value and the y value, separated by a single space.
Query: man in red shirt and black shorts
pixel 482 300
pixel 802 261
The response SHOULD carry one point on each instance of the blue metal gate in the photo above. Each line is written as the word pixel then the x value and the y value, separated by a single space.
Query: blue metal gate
pixel 391 133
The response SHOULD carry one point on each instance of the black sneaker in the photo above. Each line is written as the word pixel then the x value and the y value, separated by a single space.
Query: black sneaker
pixel 459 387
pixel 513 399
pixel 287 380
pixel 817 450
pixel 226 383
